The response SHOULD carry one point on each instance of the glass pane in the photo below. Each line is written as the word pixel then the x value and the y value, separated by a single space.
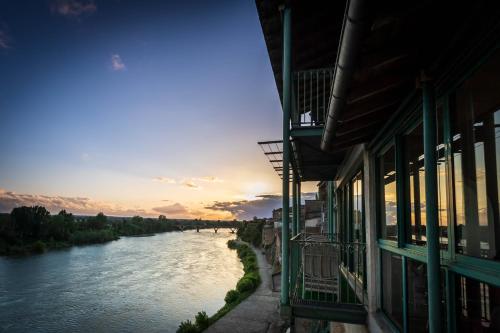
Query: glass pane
pixel 388 223
pixel 418 314
pixel 418 308
pixel 478 306
pixel 475 126
pixel 392 300
pixel 414 155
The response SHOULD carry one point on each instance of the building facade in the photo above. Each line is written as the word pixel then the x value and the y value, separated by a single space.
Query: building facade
pixel 395 108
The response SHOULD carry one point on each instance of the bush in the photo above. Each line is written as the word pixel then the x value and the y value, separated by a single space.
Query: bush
pixel 254 277
pixel 187 327
pixel 244 284
pixel 232 296
pixel 202 321
pixel 92 236
pixel 38 247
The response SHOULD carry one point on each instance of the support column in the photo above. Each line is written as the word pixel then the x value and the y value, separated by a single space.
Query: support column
pixel 299 207
pixel 287 106
pixel 331 231
pixel 294 206
pixel 431 208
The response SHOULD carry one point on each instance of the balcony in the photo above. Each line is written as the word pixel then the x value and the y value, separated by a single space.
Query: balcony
pixel 329 280
pixel 311 95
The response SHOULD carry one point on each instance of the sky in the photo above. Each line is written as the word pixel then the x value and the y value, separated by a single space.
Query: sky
pixel 137 108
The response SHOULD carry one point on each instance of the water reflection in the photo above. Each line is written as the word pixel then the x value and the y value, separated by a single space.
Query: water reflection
pixel 131 285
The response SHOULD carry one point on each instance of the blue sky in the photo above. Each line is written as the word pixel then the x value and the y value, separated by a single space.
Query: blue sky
pixel 140 107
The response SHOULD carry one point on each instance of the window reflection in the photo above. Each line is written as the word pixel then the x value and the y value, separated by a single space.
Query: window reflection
pixel 392 286
pixel 388 223
pixel 478 306
pixel 475 126
pixel 414 147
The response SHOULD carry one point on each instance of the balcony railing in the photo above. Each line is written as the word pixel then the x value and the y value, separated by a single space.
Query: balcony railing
pixel 311 95
pixel 330 275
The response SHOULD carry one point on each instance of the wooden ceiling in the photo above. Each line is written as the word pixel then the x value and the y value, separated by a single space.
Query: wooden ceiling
pixel 401 39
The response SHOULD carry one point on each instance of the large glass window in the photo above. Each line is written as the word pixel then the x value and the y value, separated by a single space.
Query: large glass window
pixel 476 153
pixel 392 287
pixel 388 209
pixel 477 306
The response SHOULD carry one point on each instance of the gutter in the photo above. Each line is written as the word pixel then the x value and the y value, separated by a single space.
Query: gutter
pixel 349 49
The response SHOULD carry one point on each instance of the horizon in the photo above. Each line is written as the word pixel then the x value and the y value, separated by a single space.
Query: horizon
pixel 127 109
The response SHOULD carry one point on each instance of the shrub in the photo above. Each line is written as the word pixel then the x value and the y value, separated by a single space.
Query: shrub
pixel 187 327
pixel 232 244
pixel 232 296
pixel 250 267
pixel 254 277
pixel 38 247
pixel 202 320
pixel 244 284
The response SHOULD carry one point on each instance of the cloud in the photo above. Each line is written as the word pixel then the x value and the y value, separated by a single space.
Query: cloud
pixel 167 180
pixel 262 206
pixel 209 179
pixel 76 205
pixel 4 40
pixel 72 8
pixel 173 209
pixel 191 184
pixel 85 157
pixel 117 63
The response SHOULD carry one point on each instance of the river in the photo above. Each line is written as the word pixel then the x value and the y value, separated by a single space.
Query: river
pixel 135 284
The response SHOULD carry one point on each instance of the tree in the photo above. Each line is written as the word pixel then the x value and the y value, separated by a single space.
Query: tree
pixel 28 221
pixel 98 222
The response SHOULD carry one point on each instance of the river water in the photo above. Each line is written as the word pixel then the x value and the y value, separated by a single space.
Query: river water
pixel 135 284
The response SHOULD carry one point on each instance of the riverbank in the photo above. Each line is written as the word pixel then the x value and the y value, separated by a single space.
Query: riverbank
pixel 259 312
pixel 246 285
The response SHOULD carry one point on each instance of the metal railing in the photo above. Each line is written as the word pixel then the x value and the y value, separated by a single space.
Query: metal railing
pixel 329 272
pixel 311 95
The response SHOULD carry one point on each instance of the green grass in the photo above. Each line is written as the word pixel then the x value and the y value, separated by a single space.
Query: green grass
pixel 244 288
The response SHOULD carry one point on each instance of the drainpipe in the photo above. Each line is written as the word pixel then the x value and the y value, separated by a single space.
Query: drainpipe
pixel 287 106
pixel 350 45
pixel 431 204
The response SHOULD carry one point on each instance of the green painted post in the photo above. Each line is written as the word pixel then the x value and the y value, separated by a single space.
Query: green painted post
pixel 299 206
pixel 330 209
pixel 287 106
pixel 294 206
pixel 431 208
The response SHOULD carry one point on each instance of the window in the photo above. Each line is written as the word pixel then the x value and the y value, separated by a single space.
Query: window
pixel 352 226
pixel 392 287
pixel 388 209
pixel 414 160
pixel 476 168
pixel 477 306
pixel 418 315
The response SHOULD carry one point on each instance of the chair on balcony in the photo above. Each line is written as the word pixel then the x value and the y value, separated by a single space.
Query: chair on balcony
pixel 320 268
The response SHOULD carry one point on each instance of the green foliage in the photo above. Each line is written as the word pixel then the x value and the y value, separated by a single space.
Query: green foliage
pixel 251 232
pixel 244 284
pixel 92 237
pixel 187 327
pixel 232 296
pixel 202 321
pixel 27 221
pixel 38 247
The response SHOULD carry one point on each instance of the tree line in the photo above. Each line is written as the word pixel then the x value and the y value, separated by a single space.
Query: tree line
pixel 34 229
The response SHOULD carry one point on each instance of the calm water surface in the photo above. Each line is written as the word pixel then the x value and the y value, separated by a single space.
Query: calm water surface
pixel 135 284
